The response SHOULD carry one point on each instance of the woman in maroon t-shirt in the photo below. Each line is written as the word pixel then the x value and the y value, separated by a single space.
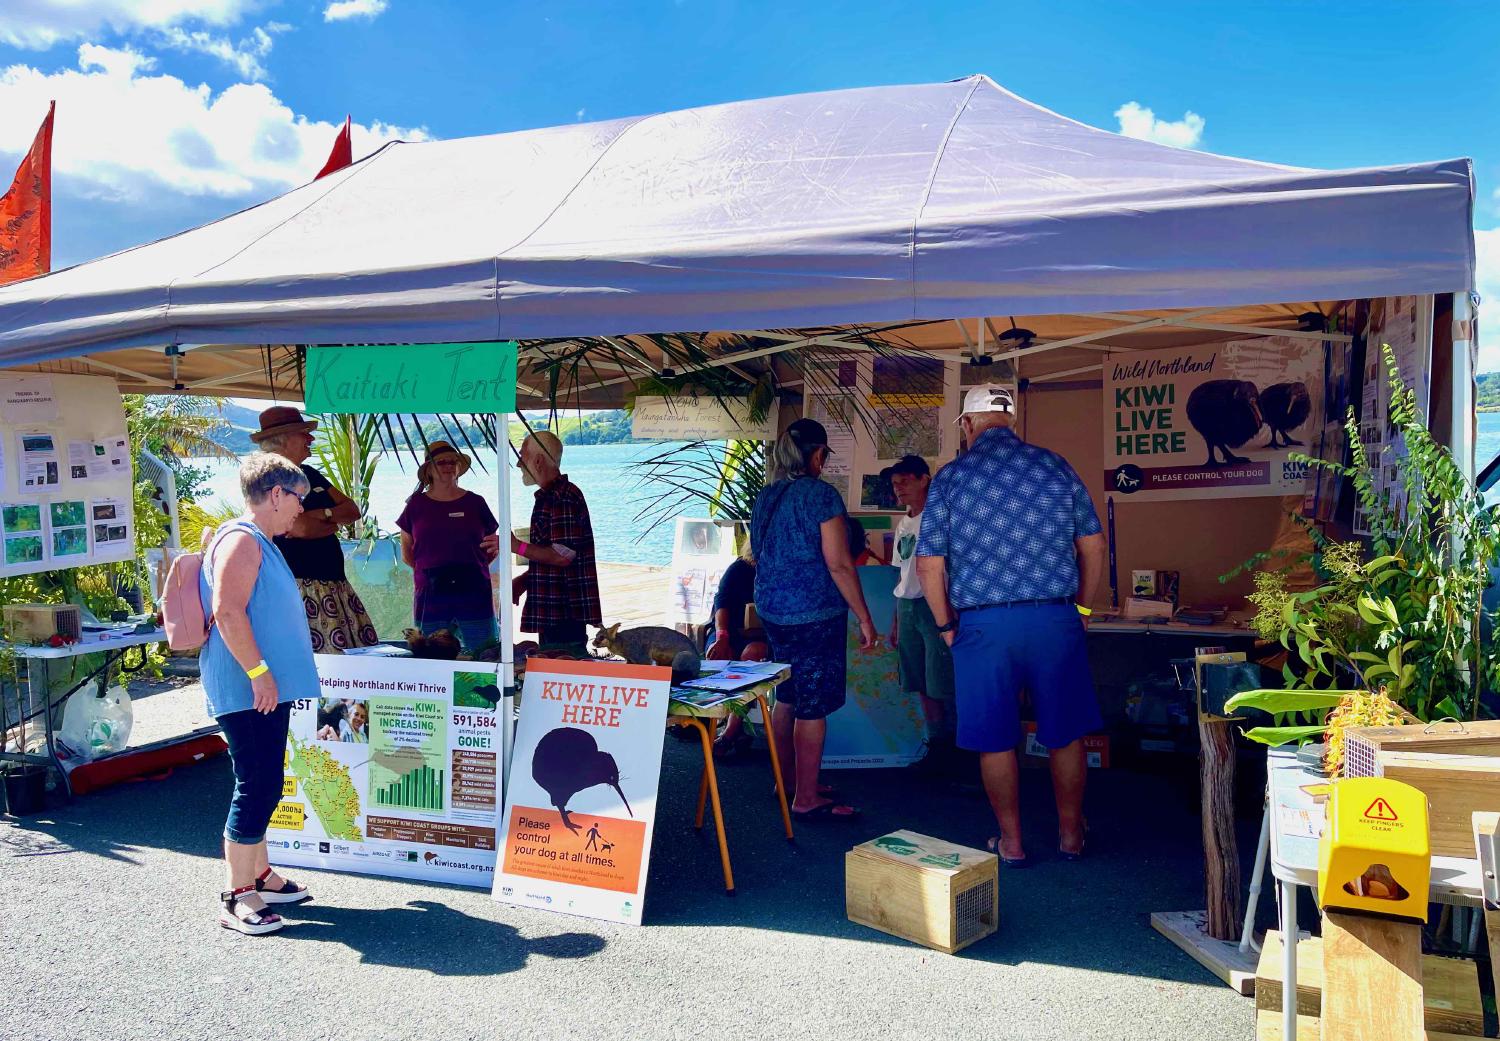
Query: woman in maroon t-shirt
pixel 442 533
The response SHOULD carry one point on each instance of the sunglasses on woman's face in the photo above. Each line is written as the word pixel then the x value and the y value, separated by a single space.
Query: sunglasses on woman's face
pixel 300 498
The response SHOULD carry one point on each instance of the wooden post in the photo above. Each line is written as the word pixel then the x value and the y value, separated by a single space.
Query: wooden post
pixel 1221 859
pixel 1372 978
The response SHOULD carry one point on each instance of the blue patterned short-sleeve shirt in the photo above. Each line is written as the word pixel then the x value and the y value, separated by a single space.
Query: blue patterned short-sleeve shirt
pixel 1005 515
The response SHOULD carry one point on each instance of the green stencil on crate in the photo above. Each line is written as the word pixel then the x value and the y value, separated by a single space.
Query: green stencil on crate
pixel 900 847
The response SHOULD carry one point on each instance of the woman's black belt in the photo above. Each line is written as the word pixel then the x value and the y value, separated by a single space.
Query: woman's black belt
pixel 1019 603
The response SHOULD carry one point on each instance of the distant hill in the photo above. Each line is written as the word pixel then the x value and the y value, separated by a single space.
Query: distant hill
pixel 1488 399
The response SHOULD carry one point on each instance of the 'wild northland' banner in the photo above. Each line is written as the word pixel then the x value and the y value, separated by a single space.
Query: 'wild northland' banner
pixel 1217 421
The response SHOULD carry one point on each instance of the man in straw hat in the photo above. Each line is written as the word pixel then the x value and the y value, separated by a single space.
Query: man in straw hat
pixel 1009 556
pixel 336 617
pixel 561 584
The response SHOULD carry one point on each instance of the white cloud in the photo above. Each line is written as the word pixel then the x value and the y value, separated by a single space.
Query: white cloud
pixel 38 24
pixel 342 10
pixel 1140 122
pixel 244 57
pixel 1487 282
pixel 578 116
pixel 126 132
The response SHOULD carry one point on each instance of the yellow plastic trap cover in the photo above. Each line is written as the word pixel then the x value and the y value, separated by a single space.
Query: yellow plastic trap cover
pixel 1375 854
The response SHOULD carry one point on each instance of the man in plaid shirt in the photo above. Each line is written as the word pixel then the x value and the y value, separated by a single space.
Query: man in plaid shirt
pixel 561 583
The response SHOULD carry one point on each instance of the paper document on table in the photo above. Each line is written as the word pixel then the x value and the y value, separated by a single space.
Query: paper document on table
pixel 735 675
pixel 701 698
pixel 1300 822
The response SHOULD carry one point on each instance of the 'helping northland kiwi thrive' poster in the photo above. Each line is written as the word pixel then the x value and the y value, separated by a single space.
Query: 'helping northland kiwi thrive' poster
pixel 1211 422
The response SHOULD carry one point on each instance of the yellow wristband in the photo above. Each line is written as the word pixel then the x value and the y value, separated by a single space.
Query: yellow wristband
pixel 259 670
pixel 1083 610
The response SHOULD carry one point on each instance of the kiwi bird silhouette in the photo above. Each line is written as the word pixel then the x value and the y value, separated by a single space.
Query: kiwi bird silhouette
pixel 1285 407
pixel 567 761
pixel 1227 414
pixel 489 692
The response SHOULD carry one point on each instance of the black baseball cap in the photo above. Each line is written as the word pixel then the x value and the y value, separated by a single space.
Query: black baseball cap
pixel 808 434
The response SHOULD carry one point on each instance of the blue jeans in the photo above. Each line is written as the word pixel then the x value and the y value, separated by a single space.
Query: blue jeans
pixel 257 749
pixel 473 633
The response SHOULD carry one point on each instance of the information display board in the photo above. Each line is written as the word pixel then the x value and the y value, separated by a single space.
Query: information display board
pixel 393 770
pixel 581 806
pixel 66 474
pixel 1218 421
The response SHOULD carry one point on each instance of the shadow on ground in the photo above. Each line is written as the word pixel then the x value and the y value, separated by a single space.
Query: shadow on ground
pixel 1144 855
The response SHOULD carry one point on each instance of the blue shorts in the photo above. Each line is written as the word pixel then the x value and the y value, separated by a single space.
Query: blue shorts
pixel 1038 648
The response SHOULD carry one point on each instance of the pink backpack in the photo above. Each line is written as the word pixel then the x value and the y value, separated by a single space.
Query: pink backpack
pixel 181 606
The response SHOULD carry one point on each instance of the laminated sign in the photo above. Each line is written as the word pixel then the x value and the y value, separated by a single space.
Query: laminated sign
pixel 581 804
pixel 1212 422
pixel 393 770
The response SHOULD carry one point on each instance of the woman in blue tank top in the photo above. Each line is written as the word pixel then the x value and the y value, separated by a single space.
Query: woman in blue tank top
pixel 258 659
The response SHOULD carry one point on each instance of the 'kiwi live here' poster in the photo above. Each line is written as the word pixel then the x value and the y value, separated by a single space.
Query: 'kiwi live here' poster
pixel 580 807
pixel 1210 422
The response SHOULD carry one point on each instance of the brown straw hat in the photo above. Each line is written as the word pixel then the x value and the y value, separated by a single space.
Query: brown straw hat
pixel 282 419
pixel 439 448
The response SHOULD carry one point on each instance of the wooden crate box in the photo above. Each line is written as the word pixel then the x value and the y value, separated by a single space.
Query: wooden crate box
pixel 1450 992
pixel 923 889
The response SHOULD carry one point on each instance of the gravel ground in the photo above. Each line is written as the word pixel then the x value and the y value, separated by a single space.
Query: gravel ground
pixel 107 916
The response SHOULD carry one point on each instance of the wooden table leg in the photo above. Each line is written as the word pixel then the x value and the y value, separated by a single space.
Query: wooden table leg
pixel 713 793
pixel 765 715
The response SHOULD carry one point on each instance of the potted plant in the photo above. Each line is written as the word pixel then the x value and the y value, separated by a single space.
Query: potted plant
pixel 1391 634
pixel 24 784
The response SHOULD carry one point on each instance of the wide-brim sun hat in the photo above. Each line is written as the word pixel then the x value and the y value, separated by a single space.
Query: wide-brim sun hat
pixel 282 419
pixel 441 448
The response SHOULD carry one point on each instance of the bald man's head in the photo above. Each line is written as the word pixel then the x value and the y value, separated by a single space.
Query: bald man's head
pixel 541 458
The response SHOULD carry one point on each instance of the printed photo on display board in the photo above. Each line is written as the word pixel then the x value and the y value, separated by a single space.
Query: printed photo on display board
pixel 392 770
pixel 1217 421
pixel 581 807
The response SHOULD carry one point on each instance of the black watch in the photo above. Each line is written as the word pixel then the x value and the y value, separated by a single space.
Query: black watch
pixel 952 625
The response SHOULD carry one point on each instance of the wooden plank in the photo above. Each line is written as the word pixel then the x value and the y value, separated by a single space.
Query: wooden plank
pixel 1450 986
pixel 1220 957
pixel 1372 978
pixel 1456 787
pixel 1221 859
pixel 1484 824
pixel 1310 1028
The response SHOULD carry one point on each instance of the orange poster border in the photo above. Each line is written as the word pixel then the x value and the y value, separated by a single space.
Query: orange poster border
pixel 604 669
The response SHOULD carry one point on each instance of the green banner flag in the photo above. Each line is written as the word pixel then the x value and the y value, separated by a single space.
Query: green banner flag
pixel 413 377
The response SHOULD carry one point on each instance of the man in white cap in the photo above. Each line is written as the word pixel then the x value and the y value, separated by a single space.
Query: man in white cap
pixel 1009 556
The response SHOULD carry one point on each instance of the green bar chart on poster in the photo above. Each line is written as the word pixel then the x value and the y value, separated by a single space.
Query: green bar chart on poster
pixel 412 377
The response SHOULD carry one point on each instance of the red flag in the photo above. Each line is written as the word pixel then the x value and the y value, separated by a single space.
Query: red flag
pixel 26 212
pixel 342 154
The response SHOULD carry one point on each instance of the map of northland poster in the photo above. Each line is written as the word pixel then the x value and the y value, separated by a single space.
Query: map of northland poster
pixel 393 770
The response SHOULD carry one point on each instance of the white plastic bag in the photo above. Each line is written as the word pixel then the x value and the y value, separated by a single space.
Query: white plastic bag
pixel 97 724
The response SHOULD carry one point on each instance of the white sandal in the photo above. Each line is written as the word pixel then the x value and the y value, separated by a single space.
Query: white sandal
pixel 288 893
pixel 239 917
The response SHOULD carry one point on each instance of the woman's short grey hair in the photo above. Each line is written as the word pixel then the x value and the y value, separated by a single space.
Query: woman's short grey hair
pixel 275 443
pixel 262 471
pixel 788 460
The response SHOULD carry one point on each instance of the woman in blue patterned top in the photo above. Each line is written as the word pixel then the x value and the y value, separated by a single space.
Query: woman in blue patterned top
pixel 258 659
pixel 805 585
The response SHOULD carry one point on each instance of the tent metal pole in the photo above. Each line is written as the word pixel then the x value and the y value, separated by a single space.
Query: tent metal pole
pixel 1461 435
pixel 507 608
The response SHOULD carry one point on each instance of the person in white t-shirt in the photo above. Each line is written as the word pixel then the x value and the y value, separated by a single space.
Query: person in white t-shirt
pixel 926 662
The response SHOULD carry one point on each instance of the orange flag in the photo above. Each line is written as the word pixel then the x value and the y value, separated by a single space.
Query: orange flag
pixel 342 154
pixel 26 212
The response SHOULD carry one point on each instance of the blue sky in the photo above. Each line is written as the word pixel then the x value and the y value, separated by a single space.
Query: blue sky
pixel 174 112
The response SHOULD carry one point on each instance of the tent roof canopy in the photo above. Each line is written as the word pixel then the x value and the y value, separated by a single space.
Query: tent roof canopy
pixel 899 208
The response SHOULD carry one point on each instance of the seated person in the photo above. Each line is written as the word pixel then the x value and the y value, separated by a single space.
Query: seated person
pixel 732 641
